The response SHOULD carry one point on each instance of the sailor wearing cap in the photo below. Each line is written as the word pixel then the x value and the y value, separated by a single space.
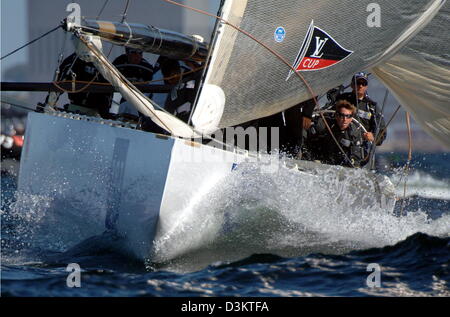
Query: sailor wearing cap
pixel 367 111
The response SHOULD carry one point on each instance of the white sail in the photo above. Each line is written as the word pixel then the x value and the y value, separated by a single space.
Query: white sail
pixel 419 76
pixel 324 42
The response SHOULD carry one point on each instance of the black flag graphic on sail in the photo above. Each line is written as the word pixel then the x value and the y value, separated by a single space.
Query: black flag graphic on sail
pixel 319 50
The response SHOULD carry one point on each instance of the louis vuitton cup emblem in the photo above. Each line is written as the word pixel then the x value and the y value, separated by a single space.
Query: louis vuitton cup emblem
pixel 318 51
pixel 320 43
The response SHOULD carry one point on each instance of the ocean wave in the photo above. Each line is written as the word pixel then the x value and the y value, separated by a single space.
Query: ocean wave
pixel 419 183
pixel 285 215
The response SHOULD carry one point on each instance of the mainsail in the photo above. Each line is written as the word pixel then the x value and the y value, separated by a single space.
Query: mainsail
pixel 419 76
pixel 254 79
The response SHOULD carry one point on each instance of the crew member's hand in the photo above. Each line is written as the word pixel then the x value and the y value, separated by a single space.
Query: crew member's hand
pixel 368 136
pixel 306 123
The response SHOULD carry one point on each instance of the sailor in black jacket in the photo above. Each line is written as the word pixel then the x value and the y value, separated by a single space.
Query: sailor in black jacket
pixel 74 68
pixel 133 66
pixel 323 147
pixel 136 69
pixel 367 111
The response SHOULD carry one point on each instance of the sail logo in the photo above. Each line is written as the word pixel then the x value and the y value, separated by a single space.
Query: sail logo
pixel 280 34
pixel 318 51
pixel 319 46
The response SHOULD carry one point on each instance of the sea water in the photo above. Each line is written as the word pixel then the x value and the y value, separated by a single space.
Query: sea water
pixel 260 236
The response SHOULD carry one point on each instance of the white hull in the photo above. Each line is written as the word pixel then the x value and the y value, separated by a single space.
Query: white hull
pixel 98 177
pixel 105 172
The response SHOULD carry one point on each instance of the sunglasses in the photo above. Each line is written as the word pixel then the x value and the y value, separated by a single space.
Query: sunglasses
pixel 361 83
pixel 342 115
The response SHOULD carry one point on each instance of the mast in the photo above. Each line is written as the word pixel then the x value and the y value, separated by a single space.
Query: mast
pixel 145 37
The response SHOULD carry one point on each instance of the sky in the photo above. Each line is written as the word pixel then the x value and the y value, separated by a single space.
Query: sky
pixel 13 13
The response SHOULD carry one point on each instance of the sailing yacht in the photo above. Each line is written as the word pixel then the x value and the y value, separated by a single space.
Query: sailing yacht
pixel 263 58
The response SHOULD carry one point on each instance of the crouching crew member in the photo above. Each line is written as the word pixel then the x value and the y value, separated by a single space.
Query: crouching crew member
pixel 74 68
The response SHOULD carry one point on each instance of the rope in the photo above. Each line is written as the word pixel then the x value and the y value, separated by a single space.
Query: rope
pixel 389 122
pixel 96 76
pixel 124 15
pixel 373 148
pixel 335 140
pixel 55 83
pixel 31 42
pixel 408 163
pixel 101 10
pixel 88 83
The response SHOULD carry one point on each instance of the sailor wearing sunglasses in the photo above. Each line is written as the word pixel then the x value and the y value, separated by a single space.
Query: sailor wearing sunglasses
pixel 322 146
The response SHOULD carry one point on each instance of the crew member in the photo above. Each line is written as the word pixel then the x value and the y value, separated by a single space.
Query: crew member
pixel 136 69
pixel 74 68
pixel 180 99
pixel 134 66
pixel 367 111
pixel 297 121
pixel 323 147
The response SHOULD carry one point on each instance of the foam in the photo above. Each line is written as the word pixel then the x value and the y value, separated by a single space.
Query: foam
pixel 423 185
pixel 285 214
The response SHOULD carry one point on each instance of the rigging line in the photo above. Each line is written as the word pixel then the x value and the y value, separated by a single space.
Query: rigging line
pixel 272 51
pixel 61 54
pixel 389 122
pixel 377 132
pixel 335 140
pixel 57 72
pixel 124 15
pixel 31 42
pixel 101 10
pixel 134 82
pixel 56 84
pixel 408 163
pixel 408 124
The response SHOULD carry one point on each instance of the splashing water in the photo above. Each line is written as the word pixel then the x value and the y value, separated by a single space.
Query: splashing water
pixel 284 214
